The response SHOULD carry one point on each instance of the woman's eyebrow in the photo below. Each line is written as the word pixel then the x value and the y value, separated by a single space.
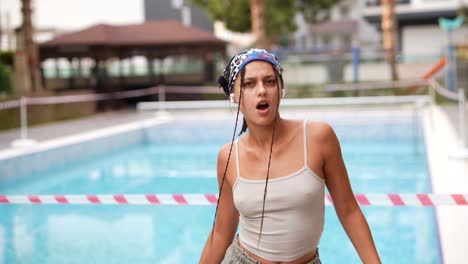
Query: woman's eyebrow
pixel 264 77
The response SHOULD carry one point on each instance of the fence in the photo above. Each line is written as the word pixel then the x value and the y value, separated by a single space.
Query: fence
pixel 23 102
pixel 162 105
pixel 434 88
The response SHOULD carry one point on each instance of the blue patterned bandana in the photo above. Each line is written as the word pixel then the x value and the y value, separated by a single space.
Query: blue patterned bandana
pixel 238 62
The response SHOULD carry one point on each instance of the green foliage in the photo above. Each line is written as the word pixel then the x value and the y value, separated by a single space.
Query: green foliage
pixel 463 11
pixel 6 84
pixel 279 14
pixel 6 57
pixel 279 17
pixel 236 16
pixel 316 11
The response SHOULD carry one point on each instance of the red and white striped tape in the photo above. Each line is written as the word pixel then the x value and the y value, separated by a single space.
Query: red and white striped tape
pixel 210 199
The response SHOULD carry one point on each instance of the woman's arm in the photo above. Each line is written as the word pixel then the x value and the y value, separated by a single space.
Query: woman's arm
pixel 227 220
pixel 347 209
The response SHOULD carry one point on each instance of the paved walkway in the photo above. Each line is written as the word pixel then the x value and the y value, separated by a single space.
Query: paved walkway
pixel 449 175
pixel 66 128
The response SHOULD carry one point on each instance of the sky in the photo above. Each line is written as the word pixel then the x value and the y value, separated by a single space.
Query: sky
pixel 72 15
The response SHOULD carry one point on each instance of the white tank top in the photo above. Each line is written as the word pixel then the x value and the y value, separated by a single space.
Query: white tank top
pixel 294 212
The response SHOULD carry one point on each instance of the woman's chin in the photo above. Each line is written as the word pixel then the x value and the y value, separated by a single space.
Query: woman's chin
pixel 261 120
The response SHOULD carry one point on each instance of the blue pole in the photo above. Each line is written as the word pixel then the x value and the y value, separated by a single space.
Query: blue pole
pixel 451 74
pixel 355 56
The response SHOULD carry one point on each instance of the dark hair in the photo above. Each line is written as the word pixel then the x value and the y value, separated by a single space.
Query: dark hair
pixel 229 156
pixel 280 85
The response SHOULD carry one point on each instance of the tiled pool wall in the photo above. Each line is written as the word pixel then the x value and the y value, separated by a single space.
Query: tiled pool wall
pixel 191 131
pixel 35 161
pixel 406 128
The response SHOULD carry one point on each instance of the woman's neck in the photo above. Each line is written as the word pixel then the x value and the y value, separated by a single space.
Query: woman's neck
pixel 260 136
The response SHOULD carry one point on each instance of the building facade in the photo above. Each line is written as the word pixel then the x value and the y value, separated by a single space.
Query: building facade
pixel 180 10
pixel 346 27
pixel 419 33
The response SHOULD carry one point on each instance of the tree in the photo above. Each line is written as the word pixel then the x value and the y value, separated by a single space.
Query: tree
pixel 278 15
pixel 389 35
pixel 257 16
pixel 316 11
pixel 27 53
pixel 463 12
pixel 6 85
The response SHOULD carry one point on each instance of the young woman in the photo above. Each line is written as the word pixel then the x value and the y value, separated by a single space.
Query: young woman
pixel 272 178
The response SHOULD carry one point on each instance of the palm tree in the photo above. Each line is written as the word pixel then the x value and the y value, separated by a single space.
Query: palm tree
pixel 31 67
pixel 389 35
pixel 257 13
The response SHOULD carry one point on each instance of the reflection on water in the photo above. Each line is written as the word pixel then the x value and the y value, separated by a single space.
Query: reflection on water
pixel 176 234
pixel 110 238
pixel 102 234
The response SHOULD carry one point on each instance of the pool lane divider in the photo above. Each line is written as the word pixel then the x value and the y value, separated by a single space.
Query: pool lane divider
pixel 211 199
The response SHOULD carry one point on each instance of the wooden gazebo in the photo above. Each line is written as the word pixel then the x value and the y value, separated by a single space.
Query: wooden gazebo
pixel 154 40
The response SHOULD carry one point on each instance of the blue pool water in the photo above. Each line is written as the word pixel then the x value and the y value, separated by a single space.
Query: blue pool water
pixel 382 156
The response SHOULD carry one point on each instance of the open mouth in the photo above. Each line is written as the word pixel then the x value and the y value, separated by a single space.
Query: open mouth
pixel 262 106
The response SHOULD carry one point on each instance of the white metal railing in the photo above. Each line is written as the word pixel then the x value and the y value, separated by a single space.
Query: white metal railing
pixel 436 87
pixel 162 105
pixel 375 85
pixel 23 102
pixel 433 88
pixel 293 102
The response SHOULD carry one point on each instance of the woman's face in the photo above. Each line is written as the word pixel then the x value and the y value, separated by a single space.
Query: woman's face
pixel 259 93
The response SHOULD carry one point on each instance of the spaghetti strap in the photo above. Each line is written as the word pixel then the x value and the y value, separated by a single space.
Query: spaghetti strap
pixel 305 143
pixel 237 159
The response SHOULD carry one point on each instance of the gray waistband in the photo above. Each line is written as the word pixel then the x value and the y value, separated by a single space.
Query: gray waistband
pixel 236 255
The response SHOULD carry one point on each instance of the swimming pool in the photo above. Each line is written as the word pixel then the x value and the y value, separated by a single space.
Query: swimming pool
pixel 383 155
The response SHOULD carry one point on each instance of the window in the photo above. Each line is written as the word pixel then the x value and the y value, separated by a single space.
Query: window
pixel 346 40
pixel 344 12
pixel 326 41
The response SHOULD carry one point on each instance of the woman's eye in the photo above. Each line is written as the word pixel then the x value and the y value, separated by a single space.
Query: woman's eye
pixel 248 84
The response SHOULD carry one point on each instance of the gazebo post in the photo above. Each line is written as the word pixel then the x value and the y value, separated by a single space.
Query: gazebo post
pixel 42 76
pixel 150 65
pixel 71 78
pixel 208 67
pixel 57 68
pixel 132 66
pixel 121 71
pixel 96 75
pixel 161 70
pixel 79 70
pixel 90 77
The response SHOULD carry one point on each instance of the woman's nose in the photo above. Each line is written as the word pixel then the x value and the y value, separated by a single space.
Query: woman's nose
pixel 260 89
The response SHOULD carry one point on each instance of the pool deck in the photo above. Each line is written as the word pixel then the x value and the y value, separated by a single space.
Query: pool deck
pixel 449 175
pixel 56 130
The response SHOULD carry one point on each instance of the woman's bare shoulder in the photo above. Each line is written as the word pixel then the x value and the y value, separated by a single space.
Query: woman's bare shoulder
pixel 224 152
pixel 320 130
pixel 323 138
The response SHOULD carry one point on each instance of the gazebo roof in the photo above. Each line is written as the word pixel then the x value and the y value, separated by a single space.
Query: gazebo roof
pixel 148 33
pixel 164 37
